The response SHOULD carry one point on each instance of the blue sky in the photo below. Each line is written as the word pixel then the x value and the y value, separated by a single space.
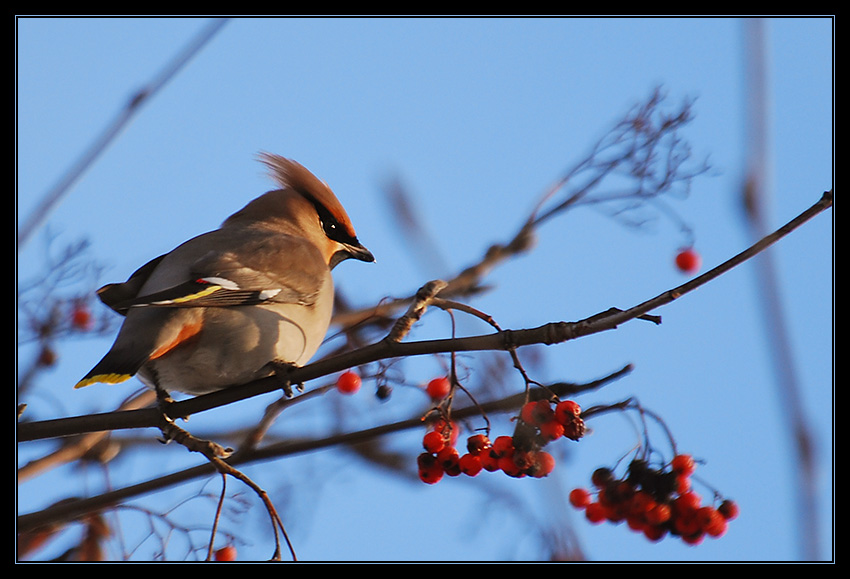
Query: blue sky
pixel 477 117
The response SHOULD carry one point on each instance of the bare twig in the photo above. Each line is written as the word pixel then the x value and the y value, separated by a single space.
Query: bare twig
pixel 551 333
pixel 644 147
pixel 77 447
pixel 643 156
pixel 423 298
pixel 277 524
pixel 75 508
pixel 217 517
pixel 547 334
pixel 113 129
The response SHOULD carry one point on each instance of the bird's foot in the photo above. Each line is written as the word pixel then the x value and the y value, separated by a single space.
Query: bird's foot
pixel 281 370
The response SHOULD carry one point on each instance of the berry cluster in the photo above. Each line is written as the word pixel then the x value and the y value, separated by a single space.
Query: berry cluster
pixel 519 455
pixel 543 423
pixel 655 502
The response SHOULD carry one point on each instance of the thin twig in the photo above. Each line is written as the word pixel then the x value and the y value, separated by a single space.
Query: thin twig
pixel 217 518
pixel 644 147
pixel 277 524
pixel 416 310
pixel 114 128
pixel 551 333
pixel 75 448
pixel 73 509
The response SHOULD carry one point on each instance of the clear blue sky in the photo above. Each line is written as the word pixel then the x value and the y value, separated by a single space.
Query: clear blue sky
pixel 478 117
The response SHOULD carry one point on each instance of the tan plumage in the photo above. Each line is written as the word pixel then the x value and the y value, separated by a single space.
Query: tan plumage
pixel 224 307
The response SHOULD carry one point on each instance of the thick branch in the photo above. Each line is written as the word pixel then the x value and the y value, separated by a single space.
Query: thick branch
pixel 551 333
pixel 72 509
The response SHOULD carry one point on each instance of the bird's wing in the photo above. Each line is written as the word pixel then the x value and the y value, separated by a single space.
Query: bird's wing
pixel 116 293
pixel 258 269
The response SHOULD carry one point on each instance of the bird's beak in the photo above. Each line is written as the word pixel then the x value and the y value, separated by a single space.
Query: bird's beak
pixel 352 251
pixel 357 251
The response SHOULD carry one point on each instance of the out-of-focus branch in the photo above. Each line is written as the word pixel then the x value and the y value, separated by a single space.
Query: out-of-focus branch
pixel 755 202
pixel 74 508
pixel 551 333
pixel 109 134
pixel 78 447
pixel 57 305
pixel 641 160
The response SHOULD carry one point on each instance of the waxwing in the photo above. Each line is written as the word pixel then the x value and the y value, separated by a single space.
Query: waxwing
pixel 229 306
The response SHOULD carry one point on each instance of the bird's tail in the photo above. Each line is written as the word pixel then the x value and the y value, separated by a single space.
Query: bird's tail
pixel 114 368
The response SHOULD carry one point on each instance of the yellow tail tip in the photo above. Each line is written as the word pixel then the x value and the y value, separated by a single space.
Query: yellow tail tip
pixel 103 378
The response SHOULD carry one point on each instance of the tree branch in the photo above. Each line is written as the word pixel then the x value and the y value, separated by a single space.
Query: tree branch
pixel 551 333
pixel 75 508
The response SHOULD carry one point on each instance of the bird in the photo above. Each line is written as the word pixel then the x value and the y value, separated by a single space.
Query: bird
pixel 237 303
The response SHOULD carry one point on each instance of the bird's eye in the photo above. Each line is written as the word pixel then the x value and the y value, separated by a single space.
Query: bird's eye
pixel 332 227
pixel 329 227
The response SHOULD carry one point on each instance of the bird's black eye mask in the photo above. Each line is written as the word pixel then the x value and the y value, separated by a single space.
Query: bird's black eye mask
pixel 332 227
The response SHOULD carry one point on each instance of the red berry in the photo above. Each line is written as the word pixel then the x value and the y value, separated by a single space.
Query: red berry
pixel 430 470
pixel 552 430
pixel 542 464
pixel 438 388
pixel 470 464
pixel 348 382
pixel 574 428
pixel 449 430
pixel 683 464
pixel 433 442
pixel 693 539
pixel 636 522
pixel 641 503
pixel 728 509
pixel 618 495
pixel 654 532
pixel 688 260
pixel 566 411
pixel 687 502
pixel 601 477
pixel 431 475
pixel 527 411
pixel 711 521
pixel 227 553
pixel 81 318
pixel 658 514
pixel 449 459
pixel 717 528
pixel 595 513
pixel 426 460
pixel 687 524
pixel 509 467
pixel 47 356
pixel 615 513
pixel 503 446
pixel 522 459
pixel 537 412
pixel 580 498
pixel 683 484
pixel 477 443
pixel 489 461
